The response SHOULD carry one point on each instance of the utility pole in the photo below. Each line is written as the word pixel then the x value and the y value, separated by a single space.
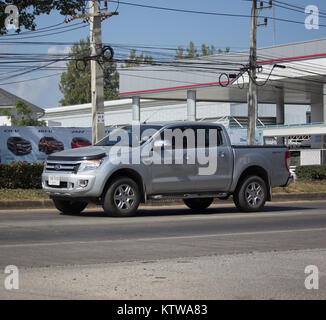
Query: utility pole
pixel 95 17
pixel 252 95
pixel 97 80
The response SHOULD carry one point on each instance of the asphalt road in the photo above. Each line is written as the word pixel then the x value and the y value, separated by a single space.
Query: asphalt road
pixel 42 243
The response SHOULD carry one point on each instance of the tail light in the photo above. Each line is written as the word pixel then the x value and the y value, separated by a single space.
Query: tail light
pixel 287 160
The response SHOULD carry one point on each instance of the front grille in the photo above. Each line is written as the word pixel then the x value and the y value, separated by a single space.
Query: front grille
pixel 67 167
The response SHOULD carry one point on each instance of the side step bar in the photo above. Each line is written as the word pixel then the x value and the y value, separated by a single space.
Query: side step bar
pixel 188 196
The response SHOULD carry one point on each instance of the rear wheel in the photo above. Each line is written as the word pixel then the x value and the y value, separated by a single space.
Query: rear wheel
pixel 251 194
pixel 198 203
pixel 70 206
pixel 122 198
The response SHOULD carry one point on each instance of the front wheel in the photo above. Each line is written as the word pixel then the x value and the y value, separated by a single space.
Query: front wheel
pixel 70 206
pixel 251 194
pixel 122 198
pixel 198 203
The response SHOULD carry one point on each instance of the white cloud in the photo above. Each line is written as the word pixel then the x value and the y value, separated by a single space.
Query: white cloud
pixel 42 92
pixel 53 51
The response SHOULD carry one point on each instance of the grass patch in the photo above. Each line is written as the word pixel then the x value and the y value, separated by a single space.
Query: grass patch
pixel 38 194
pixel 23 194
pixel 303 187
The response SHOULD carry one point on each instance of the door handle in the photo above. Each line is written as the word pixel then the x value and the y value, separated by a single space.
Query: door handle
pixel 222 154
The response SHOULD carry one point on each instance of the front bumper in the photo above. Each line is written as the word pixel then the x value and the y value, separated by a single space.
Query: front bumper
pixel 71 185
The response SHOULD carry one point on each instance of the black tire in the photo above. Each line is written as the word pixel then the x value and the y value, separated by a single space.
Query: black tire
pixel 251 194
pixel 121 198
pixel 198 203
pixel 70 206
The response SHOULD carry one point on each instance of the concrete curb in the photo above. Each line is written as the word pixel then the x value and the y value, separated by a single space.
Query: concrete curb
pixel 48 204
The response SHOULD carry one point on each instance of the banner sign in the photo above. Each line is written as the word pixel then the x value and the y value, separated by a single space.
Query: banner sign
pixel 239 136
pixel 34 144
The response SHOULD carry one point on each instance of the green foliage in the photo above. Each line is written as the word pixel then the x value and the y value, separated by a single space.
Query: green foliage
pixel 311 172
pixel 135 61
pixel 28 10
pixel 179 52
pixel 191 51
pixel 23 116
pixel 75 83
pixel 206 50
pixel 21 175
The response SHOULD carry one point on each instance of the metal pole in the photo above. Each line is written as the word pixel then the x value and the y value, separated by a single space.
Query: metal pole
pixel 252 97
pixel 97 81
pixel 136 109
pixel 191 105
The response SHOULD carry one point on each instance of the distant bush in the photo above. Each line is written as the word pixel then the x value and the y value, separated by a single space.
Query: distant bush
pixel 311 172
pixel 21 175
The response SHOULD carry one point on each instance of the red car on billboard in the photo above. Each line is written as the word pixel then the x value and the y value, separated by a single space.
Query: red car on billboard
pixel 50 145
pixel 79 142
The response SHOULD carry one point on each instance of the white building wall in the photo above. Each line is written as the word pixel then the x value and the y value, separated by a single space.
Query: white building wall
pixel 310 157
pixel 296 114
pixel 118 114
pixel 264 110
pixel 5 121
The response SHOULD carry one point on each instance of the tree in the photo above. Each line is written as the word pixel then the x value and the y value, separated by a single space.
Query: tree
pixel 135 61
pixel 28 10
pixel 75 83
pixel 207 50
pixel 192 51
pixel 23 116
pixel 180 52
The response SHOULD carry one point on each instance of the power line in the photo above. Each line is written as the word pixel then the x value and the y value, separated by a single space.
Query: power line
pixel 44 29
pixel 295 6
pixel 289 7
pixel 53 33
pixel 33 79
pixel 208 13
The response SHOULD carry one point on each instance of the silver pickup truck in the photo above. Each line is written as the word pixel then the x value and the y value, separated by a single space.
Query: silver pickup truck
pixel 193 161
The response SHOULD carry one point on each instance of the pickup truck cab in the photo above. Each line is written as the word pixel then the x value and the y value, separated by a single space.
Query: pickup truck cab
pixel 194 161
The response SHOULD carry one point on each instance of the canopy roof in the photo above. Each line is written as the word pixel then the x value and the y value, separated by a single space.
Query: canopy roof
pixel 299 74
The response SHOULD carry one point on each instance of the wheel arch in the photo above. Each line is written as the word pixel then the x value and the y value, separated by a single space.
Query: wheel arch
pixel 130 173
pixel 256 171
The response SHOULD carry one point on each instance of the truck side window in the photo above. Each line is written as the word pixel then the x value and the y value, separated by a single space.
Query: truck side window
pixel 216 132
pixel 207 131
pixel 179 137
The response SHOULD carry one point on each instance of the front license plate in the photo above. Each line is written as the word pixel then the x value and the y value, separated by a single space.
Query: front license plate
pixel 54 181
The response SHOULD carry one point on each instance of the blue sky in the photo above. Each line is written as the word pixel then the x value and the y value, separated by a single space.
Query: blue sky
pixel 141 26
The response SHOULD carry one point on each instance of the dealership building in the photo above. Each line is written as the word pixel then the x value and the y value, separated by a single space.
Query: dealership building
pixel 291 96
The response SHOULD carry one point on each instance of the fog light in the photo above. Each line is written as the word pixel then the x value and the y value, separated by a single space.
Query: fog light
pixel 83 183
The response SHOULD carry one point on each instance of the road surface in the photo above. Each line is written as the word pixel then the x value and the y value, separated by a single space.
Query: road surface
pixel 166 253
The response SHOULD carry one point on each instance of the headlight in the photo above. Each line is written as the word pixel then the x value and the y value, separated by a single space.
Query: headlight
pixel 89 165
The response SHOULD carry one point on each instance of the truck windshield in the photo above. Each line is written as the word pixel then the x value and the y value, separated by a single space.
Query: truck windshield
pixel 129 135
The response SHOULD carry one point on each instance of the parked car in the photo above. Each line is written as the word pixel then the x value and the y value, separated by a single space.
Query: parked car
pixel 79 142
pixel 73 178
pixel 19 146
pixel 49 145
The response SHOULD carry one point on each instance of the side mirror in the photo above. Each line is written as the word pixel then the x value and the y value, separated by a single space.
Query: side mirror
pixel 162 143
